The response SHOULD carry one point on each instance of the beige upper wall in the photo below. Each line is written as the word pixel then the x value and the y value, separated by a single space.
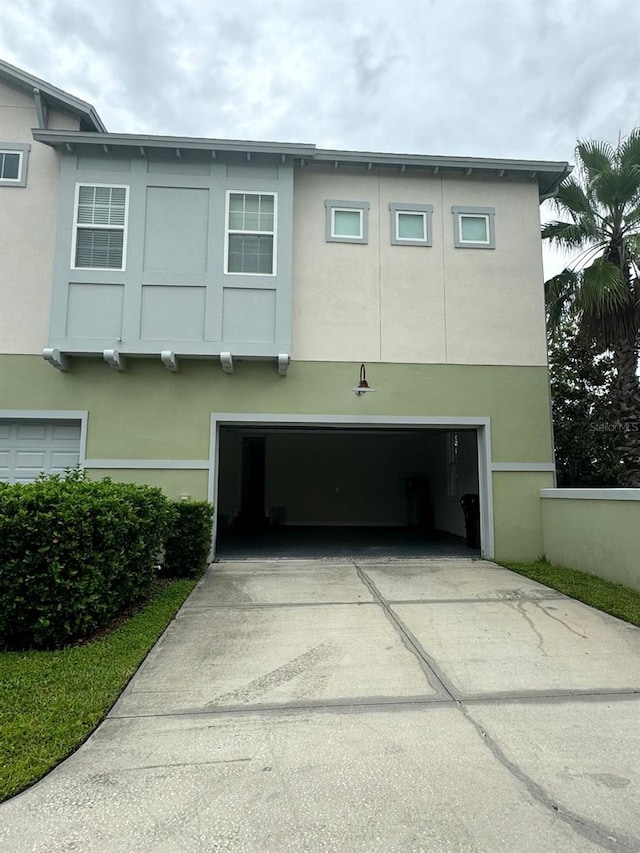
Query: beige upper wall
pixel 439 304
pixel 27 225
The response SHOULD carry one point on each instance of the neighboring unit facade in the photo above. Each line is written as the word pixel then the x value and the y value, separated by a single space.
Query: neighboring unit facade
pixel 204 303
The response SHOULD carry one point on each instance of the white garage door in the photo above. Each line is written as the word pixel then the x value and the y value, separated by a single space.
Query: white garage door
pixel 27 448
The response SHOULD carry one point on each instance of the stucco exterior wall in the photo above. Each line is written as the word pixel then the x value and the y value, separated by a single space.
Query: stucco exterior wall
pixel 28 227
pixel 148 413
pixel 595 531
pixel 438 304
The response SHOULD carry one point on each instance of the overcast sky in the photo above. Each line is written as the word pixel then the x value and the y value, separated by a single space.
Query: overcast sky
pixel 492 78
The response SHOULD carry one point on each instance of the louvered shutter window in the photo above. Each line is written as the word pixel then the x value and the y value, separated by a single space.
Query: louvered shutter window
pixel 100 227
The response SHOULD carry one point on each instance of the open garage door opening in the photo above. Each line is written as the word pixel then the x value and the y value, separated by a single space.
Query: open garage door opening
pixel 306 492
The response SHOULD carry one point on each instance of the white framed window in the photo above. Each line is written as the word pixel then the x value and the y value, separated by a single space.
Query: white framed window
pixel 14 158
pixel 411 224
pixel 347 221
pixel 100 227
pixel 250 237
pixel 473 227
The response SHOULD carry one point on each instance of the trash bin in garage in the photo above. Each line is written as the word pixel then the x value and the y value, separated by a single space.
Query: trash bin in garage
pixel 471 508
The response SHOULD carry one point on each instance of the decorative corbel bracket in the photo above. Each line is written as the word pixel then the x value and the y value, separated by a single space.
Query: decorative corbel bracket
pixel 56 358
pixel 226 361
pixel 114 359
pixel 284 360
pixel 170 360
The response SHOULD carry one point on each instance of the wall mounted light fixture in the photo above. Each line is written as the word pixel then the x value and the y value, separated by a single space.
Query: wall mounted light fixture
pixel 363 385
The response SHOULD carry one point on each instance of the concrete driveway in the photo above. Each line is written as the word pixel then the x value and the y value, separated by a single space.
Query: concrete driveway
pixel 360 706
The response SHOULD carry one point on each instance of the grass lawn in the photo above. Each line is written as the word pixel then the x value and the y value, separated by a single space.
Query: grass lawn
pixel 50 702
pixel 610 597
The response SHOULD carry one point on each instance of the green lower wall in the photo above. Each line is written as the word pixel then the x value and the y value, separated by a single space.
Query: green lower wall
pixel 174 483
pixel 517 516
pixel 601 537
pixel 147 412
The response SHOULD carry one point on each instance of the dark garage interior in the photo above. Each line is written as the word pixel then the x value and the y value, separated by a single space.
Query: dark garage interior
pixel 330 492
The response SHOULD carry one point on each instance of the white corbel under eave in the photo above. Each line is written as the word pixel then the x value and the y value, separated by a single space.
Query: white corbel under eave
pixel 56 358
pixel 170 360
pixel 114 359
pixel 226 361
pixel 284 360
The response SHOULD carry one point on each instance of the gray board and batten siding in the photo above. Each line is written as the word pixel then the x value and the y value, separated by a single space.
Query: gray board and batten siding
pixel 174 292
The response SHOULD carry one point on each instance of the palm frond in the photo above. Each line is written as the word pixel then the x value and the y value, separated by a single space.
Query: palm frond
pixel 632 220
pixel 617 189
pixel 629 150
pixel 603 291
pixel 559 293
pixel 567 235
pixel 606 304
pixel 599 218
pixel 572 199
pixel 595 156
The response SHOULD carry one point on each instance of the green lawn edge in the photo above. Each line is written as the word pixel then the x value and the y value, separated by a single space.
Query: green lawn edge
pixel 612 598
pixel 51 701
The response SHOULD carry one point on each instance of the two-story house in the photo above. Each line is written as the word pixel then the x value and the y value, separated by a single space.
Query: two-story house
pixel 194 313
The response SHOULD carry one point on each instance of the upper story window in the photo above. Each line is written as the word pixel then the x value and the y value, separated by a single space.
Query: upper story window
pixel 473 227
pixel 251 233
pixel 411 224
pixel 100 227
pixel 14 158
pixel 347 221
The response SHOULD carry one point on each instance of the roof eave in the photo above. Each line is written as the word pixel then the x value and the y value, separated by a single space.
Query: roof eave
pixel 548 174
pixel 63 138
pixel 57 98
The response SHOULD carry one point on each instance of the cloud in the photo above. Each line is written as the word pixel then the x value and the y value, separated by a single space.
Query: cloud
pixel 504 78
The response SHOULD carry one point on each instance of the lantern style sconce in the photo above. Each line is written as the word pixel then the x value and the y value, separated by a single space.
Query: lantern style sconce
pixel 363 386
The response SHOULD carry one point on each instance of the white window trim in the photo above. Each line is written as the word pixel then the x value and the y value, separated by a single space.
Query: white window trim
pixel 22 149
pixel 76 226
pixel 333 205
pixel 486 213
pixel 427 213
pixel 360 235
pixel 273 233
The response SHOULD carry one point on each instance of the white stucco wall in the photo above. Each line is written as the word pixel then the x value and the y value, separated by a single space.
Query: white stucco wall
pixel 439 304
pixel 27 225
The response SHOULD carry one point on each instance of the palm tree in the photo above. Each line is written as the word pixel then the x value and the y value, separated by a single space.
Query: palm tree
pixel 600 289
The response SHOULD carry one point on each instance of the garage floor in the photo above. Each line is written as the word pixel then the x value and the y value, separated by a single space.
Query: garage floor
pixel 368 706
pixel 303 543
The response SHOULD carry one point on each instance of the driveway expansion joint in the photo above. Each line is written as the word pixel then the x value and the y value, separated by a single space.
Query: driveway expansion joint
pixel 434 677
pixel 583 826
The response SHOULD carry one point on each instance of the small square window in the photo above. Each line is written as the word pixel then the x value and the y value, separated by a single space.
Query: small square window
pixel 473 227
pixel 411 224
pixel 347 221
pixel 13 164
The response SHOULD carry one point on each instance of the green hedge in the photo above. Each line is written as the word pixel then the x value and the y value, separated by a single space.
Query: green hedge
pixel 189 542
pixel 74 553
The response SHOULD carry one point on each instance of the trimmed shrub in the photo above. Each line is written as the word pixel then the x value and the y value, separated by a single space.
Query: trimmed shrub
pixel 189 542
pixel 74 553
